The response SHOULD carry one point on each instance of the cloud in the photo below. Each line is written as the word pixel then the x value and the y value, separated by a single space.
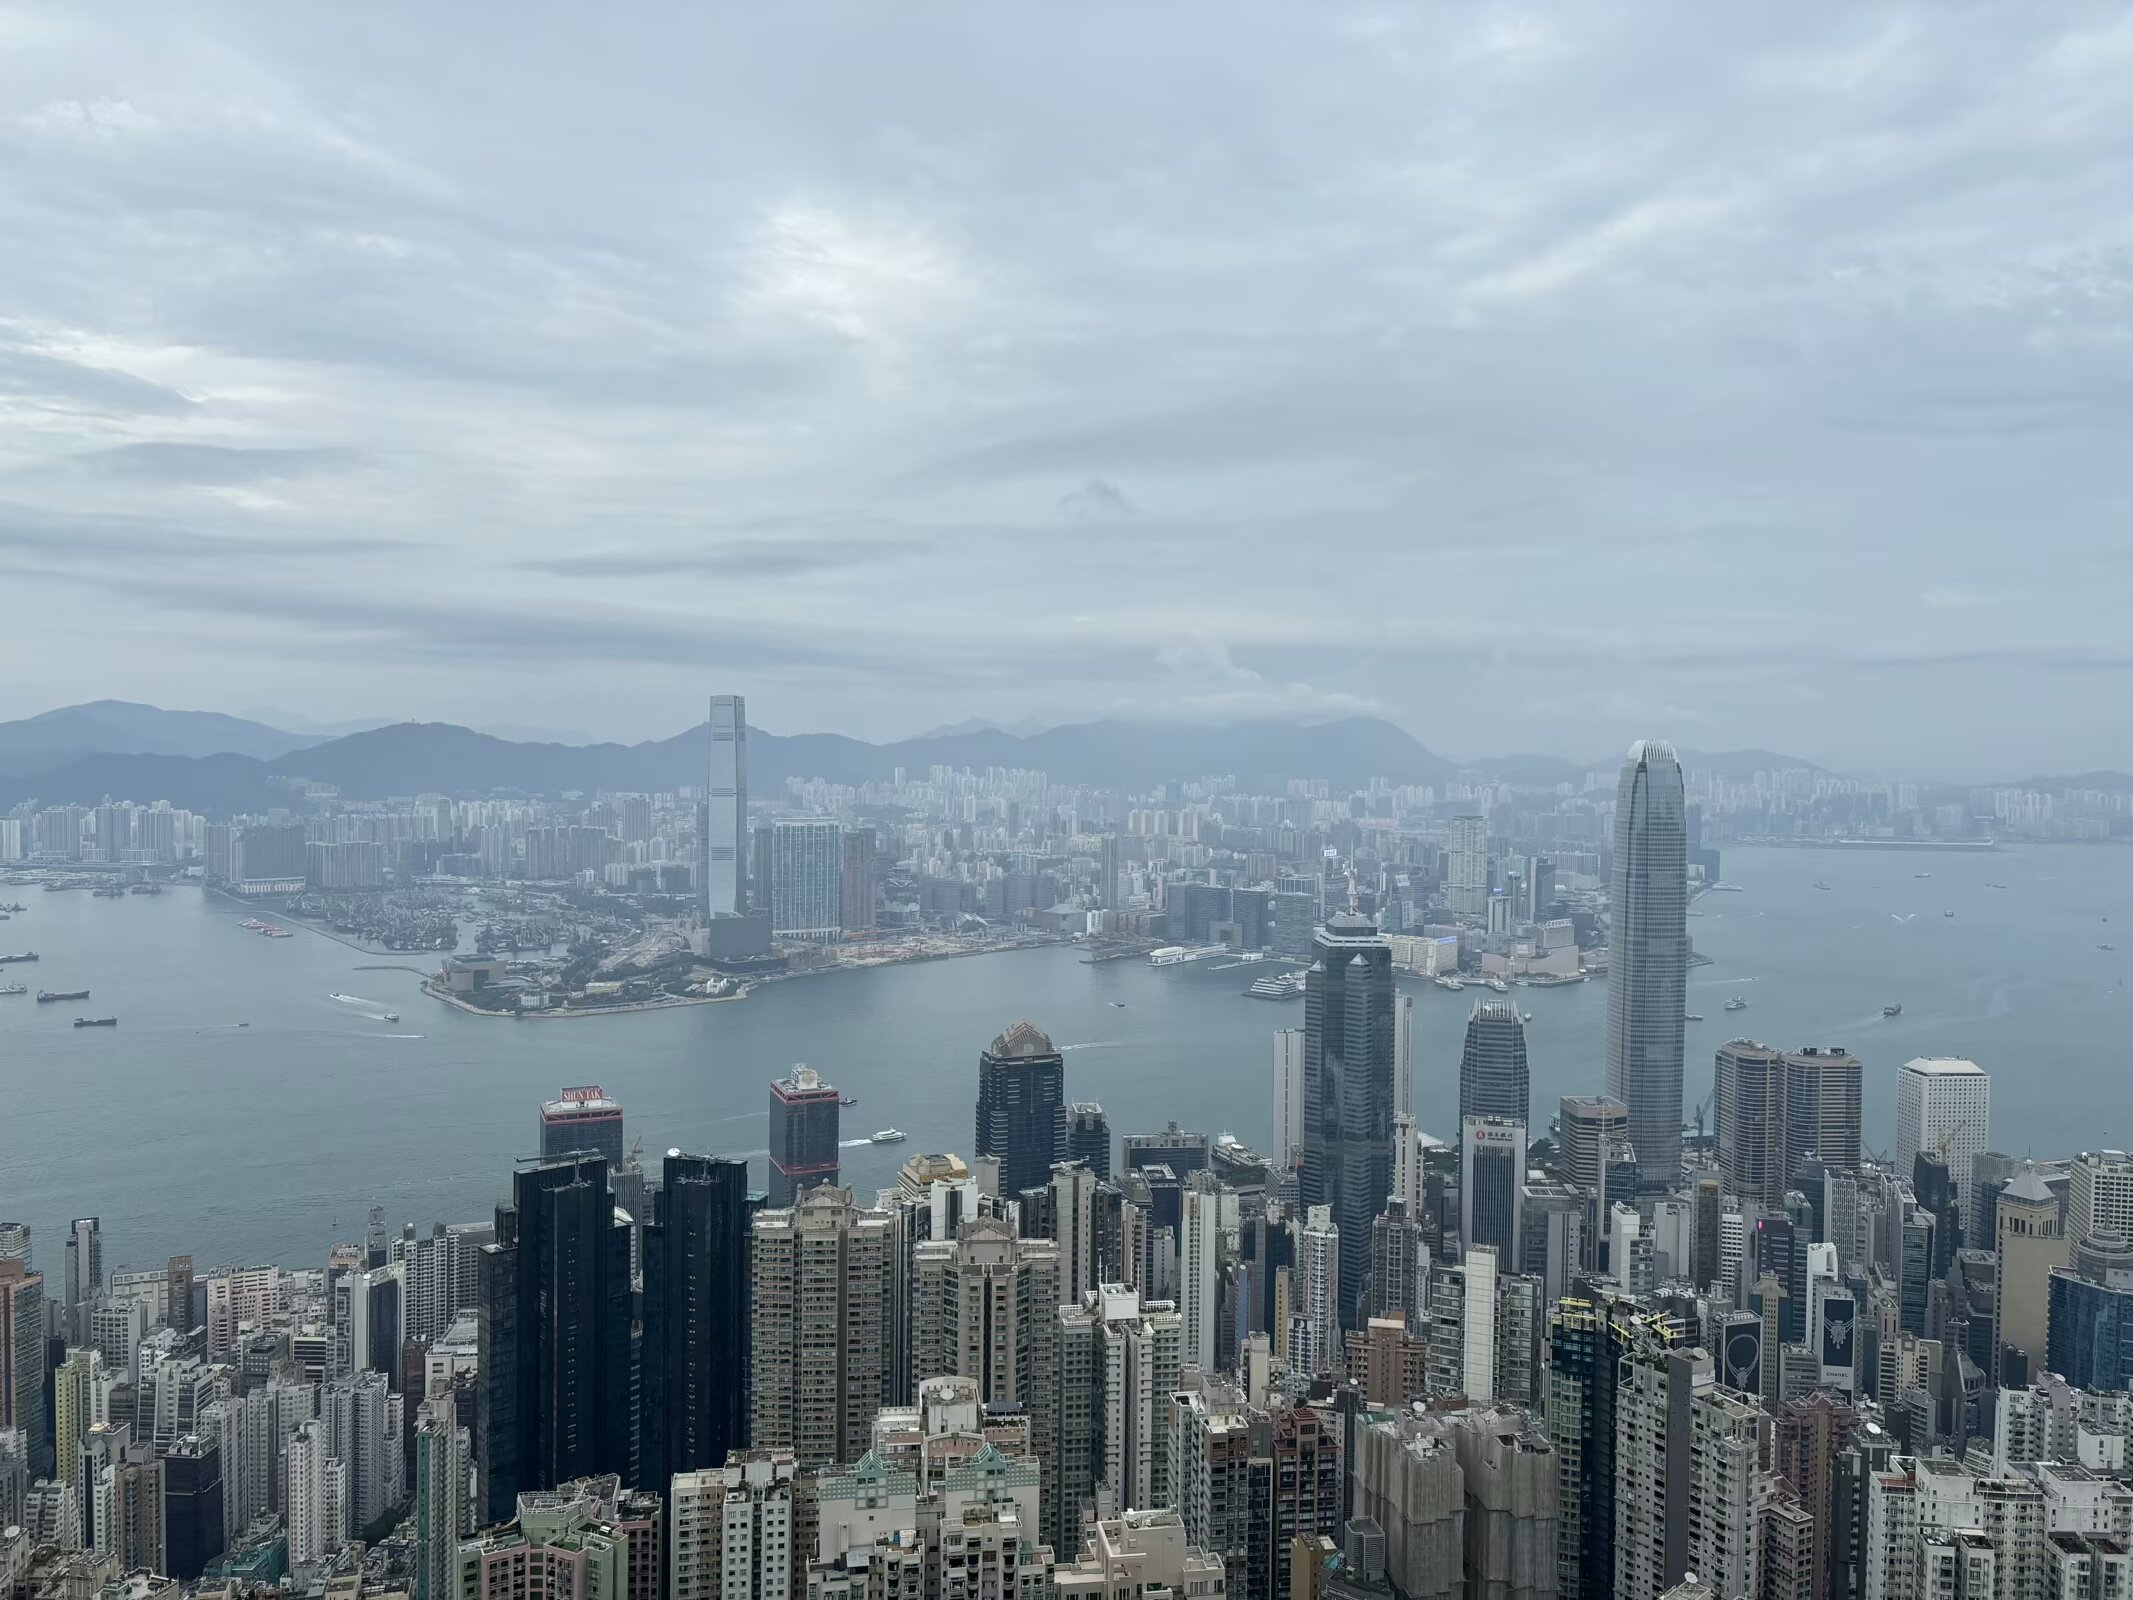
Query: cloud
pixel 209 465
pixel 730 559
pixel 1097 500
pixel 53 382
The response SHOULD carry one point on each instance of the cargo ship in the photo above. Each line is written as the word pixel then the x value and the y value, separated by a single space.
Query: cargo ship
pixel 27 955
pixel 47 996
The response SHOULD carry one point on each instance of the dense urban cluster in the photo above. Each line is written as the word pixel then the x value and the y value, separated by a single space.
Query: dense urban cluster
pixel 1614 1354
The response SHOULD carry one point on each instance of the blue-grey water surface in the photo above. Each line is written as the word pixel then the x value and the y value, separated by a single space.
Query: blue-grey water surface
pixel 269 1142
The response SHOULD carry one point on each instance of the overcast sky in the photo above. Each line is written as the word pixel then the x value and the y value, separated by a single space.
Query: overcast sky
pixel 1539 379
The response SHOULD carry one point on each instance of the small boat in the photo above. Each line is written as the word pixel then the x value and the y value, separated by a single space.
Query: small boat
pixel 389 1016
pixel 1893 1011
pixel 1819 884
pixel 1738 1003
pixel 1693 1016
pixel 46 996
pixel 1921 874
pixel 96 1022
pixel 2107 947
pixel 27 955
pixel 850 1100
pixel 888 1136
pixel 2002 886
pixel 1947 913
pixel 1118 1005
pixel 14 988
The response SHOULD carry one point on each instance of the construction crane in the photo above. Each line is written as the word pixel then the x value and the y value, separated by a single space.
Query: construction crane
pixel 1702 1111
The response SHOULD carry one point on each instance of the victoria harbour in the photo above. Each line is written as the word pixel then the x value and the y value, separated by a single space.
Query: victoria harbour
pixel 284 1115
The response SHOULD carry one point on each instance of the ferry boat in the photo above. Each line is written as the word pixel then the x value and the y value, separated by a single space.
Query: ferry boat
pixel 888 1136
pixel 1819 884
pixel 96 1022
pixel 14 988
pixel 1285 986
pixel 1737 1003
pixel 849 1100
pixel 1893 1011
pixel 27 955
pixel 1692 1016
pixel 1447 982
pixel 47 996
pixel 389 1016
pixel 1497 984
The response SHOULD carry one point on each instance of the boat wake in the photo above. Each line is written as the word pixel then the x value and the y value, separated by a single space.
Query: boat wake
pixel 356 1000
pixel 403 1036
pixel 1096 1044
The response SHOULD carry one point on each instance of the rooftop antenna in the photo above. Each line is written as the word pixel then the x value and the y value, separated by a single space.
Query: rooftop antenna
pixel 1353 909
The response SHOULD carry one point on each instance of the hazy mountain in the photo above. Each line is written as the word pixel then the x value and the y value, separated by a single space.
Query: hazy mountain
pixel 215 785
pixel 1529 771
pixel 121 727
pixel 1021 730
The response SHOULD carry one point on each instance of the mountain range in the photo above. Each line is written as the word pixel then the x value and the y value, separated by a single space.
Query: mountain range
pixel 216 764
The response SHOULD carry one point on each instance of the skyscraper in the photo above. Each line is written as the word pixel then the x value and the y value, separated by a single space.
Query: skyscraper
pixel 1592 1128
pixel 1942 1101
pixel 1288 1098
pixel 85 1271
pixel 857 883
pixel 554 1335
pixel 1493 1081
pixel 806 879
pixel 804 1116
pixel 1348 1089
pixel 726 833
pixel 694 1383
pixel 1648 958
pixel 1823 1108
pixel 1089 1137
pixel 22 1360
pixel 1466 878
pixel 582 1121
pixel 1022 1106
pixel 1492 1172
pixel 1748 1107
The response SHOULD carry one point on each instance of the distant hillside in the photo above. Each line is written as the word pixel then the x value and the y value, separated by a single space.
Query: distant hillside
pixel 435 757
pixel 1531 772
pixel 121 727
pixel 1739 766
pixel 2105 779
pixel 212 785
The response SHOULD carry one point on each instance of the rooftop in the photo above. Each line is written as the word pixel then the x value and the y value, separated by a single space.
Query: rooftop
pixel 1020 1041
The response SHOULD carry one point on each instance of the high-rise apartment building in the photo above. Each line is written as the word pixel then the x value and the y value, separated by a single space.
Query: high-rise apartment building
pixel 1942 1102
pixel 1207 1214
pixel 1466 867
pixel 695 1324
pixel 726 832
pixel 1467 1502
pixel 805 1118
pixel 554 1335
pixel 1493 1079
pixel 1314 1331
pixel 1118 1368
pixel 1021 1116
pixel 583 1120
pixel 1648 957
pixel 742 1530
pixel 443 1514
pixel 364 1429
pixel 1492 1173
pixel 1288 1139
pixel 821 1275
pixel 1348 1089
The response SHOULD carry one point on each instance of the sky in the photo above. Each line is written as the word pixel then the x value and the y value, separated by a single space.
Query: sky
pixel 1536 378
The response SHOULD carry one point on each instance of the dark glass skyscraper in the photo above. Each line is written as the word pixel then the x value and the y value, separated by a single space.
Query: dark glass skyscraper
pixel 1089 1137
pixel 1493 1080
pixel 694 1358
pixel 804 1115
pixel 1648 958
pixel 1022 1106
pixel 581 1121
pixel 1348 1089
pixel 558 1397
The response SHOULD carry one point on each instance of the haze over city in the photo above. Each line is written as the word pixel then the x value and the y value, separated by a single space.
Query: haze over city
pixel 1531 378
